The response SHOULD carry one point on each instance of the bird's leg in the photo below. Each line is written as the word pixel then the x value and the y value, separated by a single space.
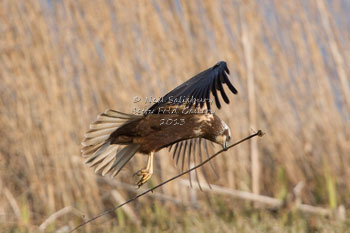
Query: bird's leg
pixel 147 172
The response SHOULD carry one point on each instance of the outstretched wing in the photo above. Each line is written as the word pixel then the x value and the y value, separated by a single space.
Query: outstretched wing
pixel 193 147
pixel 198 88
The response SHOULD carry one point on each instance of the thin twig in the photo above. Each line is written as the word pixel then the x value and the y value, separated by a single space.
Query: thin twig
pixel 131 188
pixel 259 133
pixel 120 199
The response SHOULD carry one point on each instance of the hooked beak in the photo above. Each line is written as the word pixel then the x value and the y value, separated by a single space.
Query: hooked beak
pixel 225 145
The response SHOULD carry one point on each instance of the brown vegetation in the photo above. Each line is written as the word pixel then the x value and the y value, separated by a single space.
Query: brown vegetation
pixel 64 62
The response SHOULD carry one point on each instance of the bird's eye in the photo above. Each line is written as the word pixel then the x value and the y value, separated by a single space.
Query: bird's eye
pixel 228 138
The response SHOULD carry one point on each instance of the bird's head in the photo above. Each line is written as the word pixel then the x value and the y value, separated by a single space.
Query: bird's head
pixel 215 130
pixel 224 136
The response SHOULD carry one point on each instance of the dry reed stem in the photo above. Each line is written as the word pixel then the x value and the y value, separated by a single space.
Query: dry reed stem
pixel 265 200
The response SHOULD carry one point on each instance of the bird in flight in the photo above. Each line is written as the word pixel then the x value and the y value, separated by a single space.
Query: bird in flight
pixel 180 119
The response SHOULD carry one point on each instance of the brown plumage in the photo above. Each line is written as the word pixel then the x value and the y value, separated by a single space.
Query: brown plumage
pixel 115 137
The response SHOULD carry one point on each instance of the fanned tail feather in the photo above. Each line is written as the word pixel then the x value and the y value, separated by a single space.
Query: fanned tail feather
pixel 97 145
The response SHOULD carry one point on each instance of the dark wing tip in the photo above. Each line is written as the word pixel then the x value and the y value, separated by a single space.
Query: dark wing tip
pixel 222 66
pixel 199 87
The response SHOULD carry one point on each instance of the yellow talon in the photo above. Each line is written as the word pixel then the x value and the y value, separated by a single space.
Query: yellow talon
pixel 146 173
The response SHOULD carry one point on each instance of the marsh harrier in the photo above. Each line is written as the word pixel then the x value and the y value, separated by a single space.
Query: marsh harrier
pixel 179 119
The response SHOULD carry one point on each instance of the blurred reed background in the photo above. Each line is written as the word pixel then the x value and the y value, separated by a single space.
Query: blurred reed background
pixel 64 62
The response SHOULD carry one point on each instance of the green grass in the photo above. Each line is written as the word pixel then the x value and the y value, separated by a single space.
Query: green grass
pixel 161 218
